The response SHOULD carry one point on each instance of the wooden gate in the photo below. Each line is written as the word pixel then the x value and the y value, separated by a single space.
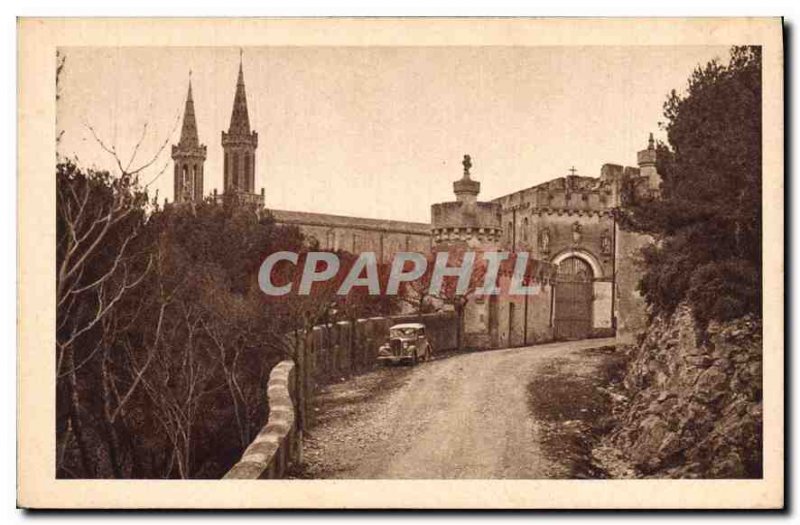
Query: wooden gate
pixel 573 300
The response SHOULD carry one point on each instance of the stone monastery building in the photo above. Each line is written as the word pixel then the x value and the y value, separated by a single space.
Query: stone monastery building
pixel 567 221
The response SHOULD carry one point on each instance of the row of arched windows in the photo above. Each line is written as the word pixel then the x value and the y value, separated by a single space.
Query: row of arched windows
pixel 524 233
pixel 236 177
pixel 336 239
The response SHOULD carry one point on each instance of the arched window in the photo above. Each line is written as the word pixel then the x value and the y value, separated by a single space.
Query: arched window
pixel 197 186
pixel 252 173
pixel 510 232
pixel 525 229
pixel 247 174
pixel 184 178
pixel 226 173
pixel 177 183
pixel 235 172
pixel 330 240
pixel 192 179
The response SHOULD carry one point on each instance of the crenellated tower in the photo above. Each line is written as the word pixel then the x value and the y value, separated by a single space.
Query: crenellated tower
pixel 646 159
pixel 239 144
pixel 188 157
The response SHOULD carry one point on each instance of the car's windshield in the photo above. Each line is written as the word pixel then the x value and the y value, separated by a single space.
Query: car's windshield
pixel 402 332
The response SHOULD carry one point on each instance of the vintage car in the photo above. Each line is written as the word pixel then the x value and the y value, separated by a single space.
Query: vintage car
pixel 407 344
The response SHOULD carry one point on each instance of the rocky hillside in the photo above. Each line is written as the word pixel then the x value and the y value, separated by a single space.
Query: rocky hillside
pixel 689 409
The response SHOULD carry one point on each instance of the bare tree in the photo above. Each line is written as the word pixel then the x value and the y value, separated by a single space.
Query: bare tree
pixel 99 263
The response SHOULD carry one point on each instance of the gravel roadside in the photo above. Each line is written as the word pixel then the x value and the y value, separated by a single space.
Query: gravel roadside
pixel 465 416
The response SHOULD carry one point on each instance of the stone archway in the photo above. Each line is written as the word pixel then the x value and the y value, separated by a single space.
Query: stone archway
pixel 590 259
pixel 574 294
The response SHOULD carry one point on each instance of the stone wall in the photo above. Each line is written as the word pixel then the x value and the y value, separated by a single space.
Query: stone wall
pixel 447 217
pixel 572 192
pixel 278 445
pixel 358 234
pixel 629 308
pixel 512 329
pixel 567 217
pixel 339 351
pixel 523 230
pixel 693 410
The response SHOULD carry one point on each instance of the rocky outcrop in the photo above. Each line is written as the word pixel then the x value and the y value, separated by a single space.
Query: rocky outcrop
pixel 693 409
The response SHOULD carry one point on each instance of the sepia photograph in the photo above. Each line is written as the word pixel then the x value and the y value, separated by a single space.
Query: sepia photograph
pixel 414 263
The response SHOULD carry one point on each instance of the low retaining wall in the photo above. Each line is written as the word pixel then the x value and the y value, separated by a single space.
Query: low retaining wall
pixel 278 445
pixel 329 352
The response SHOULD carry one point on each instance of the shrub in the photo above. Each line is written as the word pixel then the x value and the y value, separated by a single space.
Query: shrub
pixel 725 290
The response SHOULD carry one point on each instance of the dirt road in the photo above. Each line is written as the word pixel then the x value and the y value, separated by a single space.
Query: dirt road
pixel 466 416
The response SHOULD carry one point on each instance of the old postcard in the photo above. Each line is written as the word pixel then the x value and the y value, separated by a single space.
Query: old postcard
pixel 400 263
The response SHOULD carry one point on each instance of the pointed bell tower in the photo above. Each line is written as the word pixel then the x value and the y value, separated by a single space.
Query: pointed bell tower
pixel 239 145
pixel 188 157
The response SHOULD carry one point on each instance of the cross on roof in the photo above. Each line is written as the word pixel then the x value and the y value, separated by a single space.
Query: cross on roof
pixel 572 170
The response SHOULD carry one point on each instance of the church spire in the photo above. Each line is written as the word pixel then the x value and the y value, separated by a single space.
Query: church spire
pixel 189 136
pixel 188 156
pixel 240 121
pixel 239 144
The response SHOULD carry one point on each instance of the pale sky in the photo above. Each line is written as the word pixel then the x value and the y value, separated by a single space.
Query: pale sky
pixel 379 132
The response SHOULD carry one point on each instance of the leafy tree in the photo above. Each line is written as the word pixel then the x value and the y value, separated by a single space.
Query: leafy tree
pixel 707 220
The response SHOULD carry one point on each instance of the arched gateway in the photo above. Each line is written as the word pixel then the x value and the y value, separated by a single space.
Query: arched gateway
pixel 574 295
